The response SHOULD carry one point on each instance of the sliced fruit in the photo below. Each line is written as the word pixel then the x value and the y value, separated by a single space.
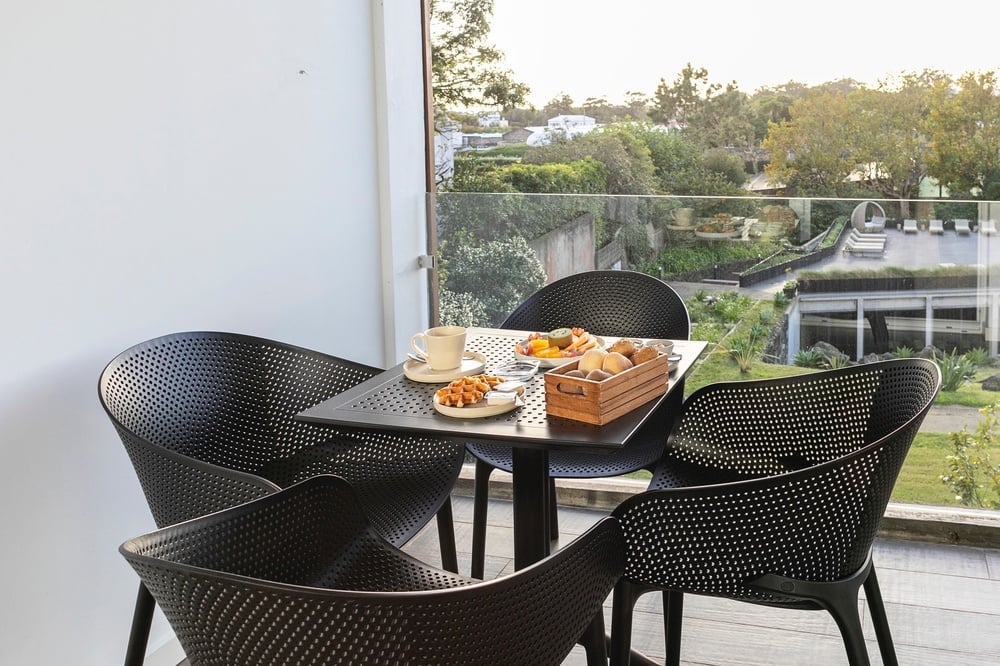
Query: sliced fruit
pixel 561 337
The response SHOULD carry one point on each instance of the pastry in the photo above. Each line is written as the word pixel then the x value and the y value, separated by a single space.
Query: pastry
pixel 466 390
pixel 644 354
pixel 625 347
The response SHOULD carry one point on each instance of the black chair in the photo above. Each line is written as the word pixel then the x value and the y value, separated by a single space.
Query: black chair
pixel 613 303
pixel 208 422
pixel 300 577
pixel 772 492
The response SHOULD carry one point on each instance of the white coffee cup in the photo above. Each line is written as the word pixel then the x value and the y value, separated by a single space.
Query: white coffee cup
pixel 443 346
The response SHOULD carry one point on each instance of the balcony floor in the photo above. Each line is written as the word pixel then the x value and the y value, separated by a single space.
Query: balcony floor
pixel 941 601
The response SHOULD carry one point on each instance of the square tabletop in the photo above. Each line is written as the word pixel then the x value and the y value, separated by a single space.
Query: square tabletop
pixel 391 400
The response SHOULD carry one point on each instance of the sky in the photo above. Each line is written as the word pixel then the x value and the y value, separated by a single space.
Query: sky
pixel 605 49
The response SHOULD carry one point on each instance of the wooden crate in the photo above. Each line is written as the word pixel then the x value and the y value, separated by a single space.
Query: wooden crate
pixel 602 402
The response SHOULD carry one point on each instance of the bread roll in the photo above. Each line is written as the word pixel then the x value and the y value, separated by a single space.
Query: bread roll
pixel 592 359
pixel 576 373
pixel 644 354
pixel 615 363
pixel 625 347
pixel 598 375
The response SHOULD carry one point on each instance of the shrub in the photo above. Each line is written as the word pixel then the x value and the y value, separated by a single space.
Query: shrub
pixel 781 301
pixel 978 357
pixel 971 471
pixel 808 358
pixel 903 352
pixel 744 351
pixel 955 370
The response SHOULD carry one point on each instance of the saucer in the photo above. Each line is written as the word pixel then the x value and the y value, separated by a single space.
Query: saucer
pixel 421 372
pixel 479 410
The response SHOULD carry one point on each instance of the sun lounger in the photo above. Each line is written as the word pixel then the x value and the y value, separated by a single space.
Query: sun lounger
pixel 962 227
pixel 988 228
pixel 937 227
pixel 875 225
pixel 909 226
pixel 872 245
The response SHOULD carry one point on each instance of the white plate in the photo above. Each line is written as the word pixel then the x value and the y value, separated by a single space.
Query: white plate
pixel 554 362
pixel 480 410
pixel 421 372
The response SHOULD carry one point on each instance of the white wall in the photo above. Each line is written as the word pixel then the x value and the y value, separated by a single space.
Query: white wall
pixel 168 166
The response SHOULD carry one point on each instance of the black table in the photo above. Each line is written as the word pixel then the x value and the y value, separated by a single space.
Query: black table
pixel 391 400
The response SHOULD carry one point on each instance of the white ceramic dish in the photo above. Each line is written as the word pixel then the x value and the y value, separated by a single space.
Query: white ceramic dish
pixel 553 362
pixel 479 410
pixel 421 372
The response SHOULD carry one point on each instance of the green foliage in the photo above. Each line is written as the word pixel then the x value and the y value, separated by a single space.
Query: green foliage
pixel 808 358
pixel 586 176
pixel 744 350
pixel 461 309
pixel 465 68
pixel 978 357
pixel 500 274
pixel 837 361
pixel 955 370
pixel 781 301
pixel 903 352
pixel 628 166
pixel 766 316
pixel 972 474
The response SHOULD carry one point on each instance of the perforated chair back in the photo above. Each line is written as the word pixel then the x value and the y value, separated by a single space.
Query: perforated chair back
pixel 300 578
pixel 619 303
pixel 208 421
pixel 767 486
pixel 613 303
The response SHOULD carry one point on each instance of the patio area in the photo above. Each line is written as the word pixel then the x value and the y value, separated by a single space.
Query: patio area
pixel 940 600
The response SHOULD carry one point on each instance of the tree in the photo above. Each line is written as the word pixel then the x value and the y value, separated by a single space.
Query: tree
pixel 964 127
pixel 673 102
pixel 465 69
pixel 810 152
pixel 560 105
pixel 720 120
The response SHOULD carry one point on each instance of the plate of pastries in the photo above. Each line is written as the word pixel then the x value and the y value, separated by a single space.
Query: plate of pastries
pixel 478 396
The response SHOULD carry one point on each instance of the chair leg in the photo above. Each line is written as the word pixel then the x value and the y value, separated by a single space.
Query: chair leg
pixel 673 621
pixel 622 605
pixel 593 641
pixel 142 617
pixel 876 608
pixel 553 511
pixel 839 598
pixel 446 537
pixel 480 506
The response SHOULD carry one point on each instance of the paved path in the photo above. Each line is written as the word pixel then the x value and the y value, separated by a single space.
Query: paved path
pixel 951 418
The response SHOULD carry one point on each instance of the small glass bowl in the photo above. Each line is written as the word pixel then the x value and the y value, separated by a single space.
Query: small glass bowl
pixel 662 346
pixel 518 371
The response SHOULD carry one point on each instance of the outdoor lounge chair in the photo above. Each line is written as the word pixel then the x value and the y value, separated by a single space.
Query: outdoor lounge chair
pixel 988 228
pixel 936 227
pixel 876 225
pixel 208 420
pixel 302 577
pixel 962 227
pixel 771 492
pixel 910 226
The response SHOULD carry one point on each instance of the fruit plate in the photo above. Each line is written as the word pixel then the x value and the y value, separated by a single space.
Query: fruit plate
pixel 553 362
pixel 479 410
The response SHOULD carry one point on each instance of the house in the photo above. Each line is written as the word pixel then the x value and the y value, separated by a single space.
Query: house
pixel 492 119
pixel 516 136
